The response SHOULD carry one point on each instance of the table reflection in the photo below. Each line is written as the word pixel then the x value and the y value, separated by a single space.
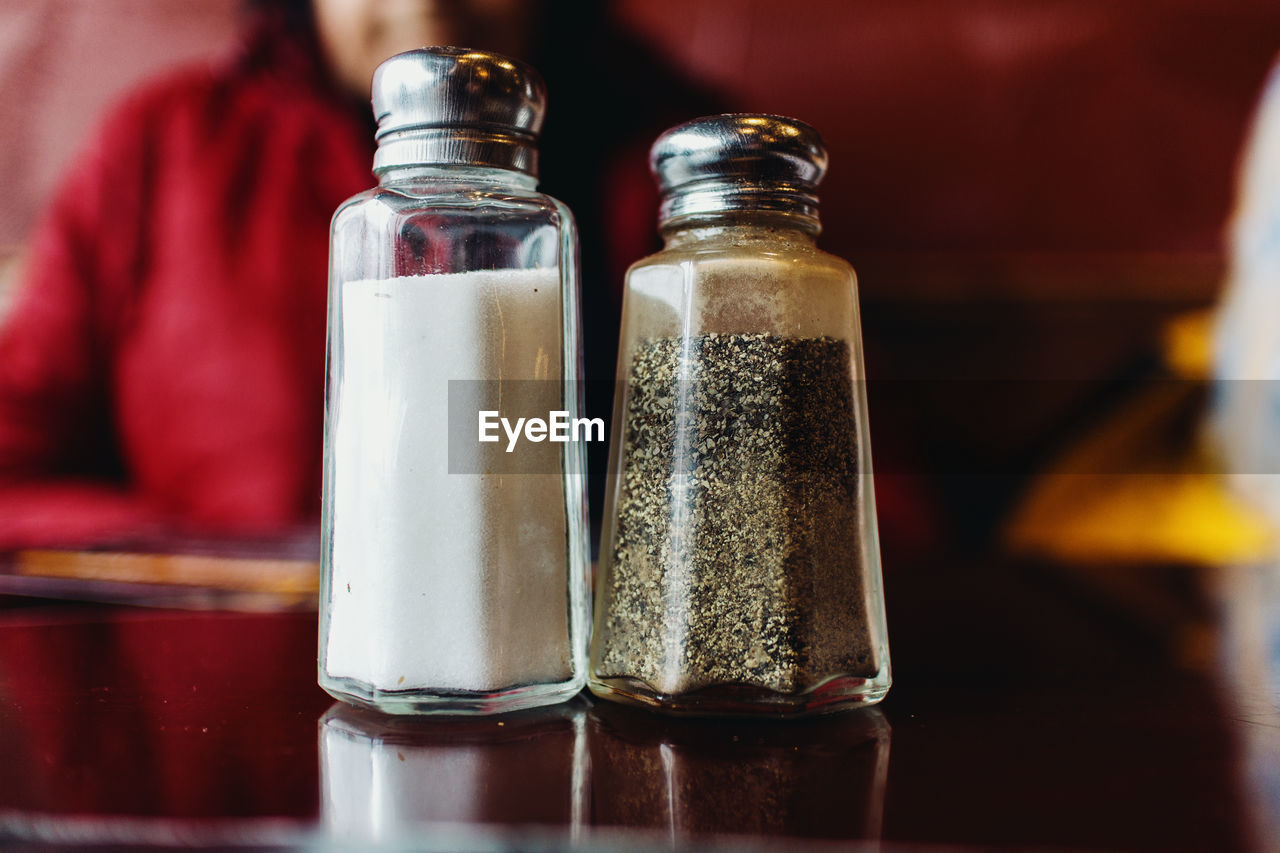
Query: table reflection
pixel 1249 656
pixel 119 712
pixel 386 777
pixel 822 778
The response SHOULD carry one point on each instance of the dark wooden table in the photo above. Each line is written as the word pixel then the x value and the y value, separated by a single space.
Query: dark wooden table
pixel 129 726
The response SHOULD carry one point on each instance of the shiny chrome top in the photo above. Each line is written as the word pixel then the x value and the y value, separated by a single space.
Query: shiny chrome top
pixel 738 162
pixel 450 105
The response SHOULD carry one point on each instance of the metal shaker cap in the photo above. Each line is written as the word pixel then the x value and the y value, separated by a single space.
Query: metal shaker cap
pixel 450 105
pixel 739 162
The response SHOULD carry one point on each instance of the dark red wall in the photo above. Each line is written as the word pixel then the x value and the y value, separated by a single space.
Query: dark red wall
pixel 997 125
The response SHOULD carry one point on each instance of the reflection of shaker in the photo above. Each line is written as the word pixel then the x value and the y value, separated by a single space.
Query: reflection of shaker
pixel 822 779
pixel 385 778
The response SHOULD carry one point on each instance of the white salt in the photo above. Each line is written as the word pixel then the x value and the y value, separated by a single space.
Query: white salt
pixel 440 580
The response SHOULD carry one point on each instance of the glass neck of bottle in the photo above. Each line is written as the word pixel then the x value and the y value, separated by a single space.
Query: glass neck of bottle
pixel 457 174
pixel 741 224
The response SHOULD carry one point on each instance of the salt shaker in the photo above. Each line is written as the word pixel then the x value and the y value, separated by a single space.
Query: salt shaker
pixel 449 583
pixel 740 566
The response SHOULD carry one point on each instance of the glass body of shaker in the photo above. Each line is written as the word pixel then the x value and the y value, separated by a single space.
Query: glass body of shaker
pixel 740 566
pixel 447 584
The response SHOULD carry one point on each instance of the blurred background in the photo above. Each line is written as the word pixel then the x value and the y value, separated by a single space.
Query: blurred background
pixel 1029 194
pixel 1036 197
pixel 1047 209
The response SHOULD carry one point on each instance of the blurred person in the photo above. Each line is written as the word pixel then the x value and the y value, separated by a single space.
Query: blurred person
pixel 163 365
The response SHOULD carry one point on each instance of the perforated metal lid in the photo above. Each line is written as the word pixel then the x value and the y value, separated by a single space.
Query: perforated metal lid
pixel 450 105
pixel 738 162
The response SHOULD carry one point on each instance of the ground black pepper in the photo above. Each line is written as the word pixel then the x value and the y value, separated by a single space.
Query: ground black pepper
pixel 737 552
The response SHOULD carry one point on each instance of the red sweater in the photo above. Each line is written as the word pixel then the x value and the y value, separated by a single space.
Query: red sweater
pixel 165 358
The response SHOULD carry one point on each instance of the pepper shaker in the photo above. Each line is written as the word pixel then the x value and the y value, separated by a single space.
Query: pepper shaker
pixel 740 566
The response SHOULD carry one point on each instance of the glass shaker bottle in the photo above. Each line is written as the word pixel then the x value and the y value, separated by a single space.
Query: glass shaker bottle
pixel 450 583
pixel 740 566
